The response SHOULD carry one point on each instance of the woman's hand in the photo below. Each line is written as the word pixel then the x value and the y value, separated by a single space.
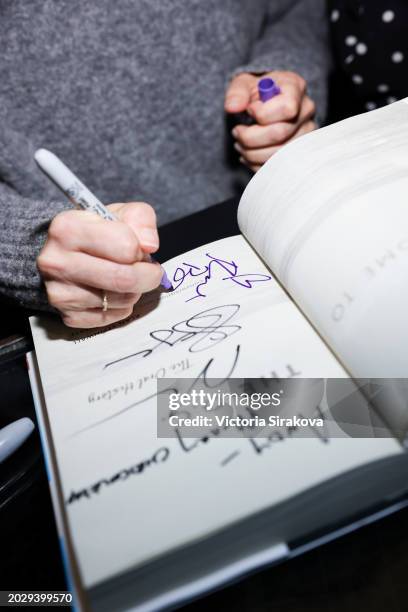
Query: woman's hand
pixel 277 121
pixel 87 257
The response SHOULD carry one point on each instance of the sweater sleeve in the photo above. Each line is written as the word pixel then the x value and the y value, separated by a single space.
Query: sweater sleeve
pixel 295 40
pixel 23 230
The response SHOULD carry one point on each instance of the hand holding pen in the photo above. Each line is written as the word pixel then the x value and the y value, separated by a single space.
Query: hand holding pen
pixel 96 266
pixel 287 114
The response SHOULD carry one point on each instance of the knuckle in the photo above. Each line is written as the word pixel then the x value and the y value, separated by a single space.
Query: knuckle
pixel 146 209
pixel 290 109
pixel 48 264
pixel 280 132
pixel 129 245
pixel 124 279
pixel 243 138
pixel 249 143
pixel 43 261
pixel 310 107
pixel 301 83
pixel 261 115
pixel 54 297
pixel 62 225
pixel 70 321
pixel 249 156
pixel 311 126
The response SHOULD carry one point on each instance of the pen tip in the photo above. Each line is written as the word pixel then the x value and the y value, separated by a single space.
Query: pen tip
pixel 165 282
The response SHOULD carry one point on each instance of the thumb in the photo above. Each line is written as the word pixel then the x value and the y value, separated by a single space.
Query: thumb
pixel 141 218
pixel 238 94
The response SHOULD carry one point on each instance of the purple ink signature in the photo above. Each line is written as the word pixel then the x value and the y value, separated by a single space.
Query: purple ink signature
pixel 215 265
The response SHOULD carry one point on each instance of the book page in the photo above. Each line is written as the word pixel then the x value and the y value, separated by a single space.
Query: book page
pixel 329 215
pixel 131 496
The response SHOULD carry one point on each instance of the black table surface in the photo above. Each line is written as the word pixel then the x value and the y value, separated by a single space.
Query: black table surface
pixel 365 570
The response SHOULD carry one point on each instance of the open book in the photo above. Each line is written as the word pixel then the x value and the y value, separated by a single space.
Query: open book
pixel 316 286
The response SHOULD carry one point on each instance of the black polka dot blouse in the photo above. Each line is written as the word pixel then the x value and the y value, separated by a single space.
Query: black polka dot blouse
pixel 370 46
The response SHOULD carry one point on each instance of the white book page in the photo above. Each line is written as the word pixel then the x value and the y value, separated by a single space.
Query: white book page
pixel 329 215
pixel 131 496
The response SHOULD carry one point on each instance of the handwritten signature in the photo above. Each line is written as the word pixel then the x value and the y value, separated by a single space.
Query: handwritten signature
pixel 203 331
pixel 229 269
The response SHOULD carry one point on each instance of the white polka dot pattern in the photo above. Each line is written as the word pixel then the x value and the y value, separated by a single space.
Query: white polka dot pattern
pixel 357 79
pixel 370 41
pixel 397 57
pixel 361 49
pixel 335 14
pixel 388 16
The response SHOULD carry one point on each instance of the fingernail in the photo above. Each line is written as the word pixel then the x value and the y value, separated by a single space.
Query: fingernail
pixel 242 160
pixel 149 237
pixel 234 132
pixel 237 147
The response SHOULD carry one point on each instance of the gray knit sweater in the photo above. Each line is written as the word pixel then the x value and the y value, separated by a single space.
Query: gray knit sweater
pixel 130 95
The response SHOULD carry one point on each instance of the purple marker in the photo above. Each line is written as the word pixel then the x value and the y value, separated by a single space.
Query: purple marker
pixel 268 89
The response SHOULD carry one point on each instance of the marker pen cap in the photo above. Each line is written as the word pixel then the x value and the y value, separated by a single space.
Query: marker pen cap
pixel 268 89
